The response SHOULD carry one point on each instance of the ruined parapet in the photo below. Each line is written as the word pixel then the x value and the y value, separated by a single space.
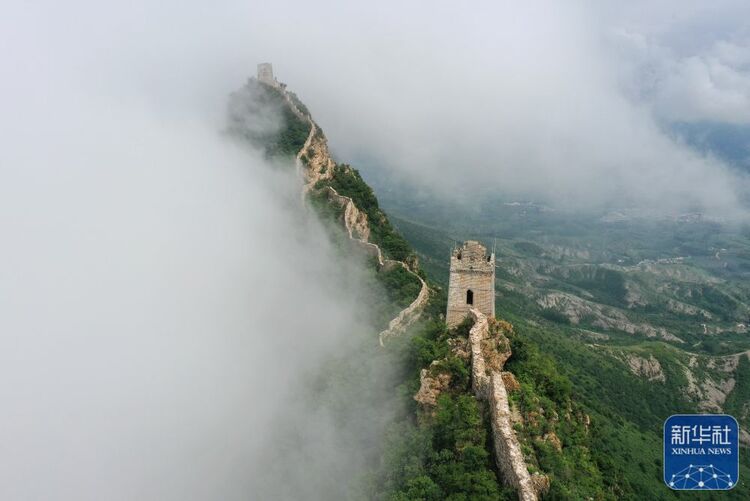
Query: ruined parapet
pixel 508 454
pixel 358 229
pixel 471 283
pixel 479 331
pixel 356 225
pixel 489 352
pixel 315 163
pixel 355 221
pixel 313 159
pixel 408 315
pixel 490 349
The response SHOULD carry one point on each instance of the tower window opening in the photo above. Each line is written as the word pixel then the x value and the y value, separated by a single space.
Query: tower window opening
pixel 469 297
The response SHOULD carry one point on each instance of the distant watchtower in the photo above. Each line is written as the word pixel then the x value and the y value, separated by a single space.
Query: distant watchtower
pixel 472 282
pixel 265 74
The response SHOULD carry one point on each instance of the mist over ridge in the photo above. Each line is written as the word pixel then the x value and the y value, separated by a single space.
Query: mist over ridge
pixel 165 295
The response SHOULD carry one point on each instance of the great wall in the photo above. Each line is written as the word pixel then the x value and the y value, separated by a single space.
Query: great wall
pixel 488 347
pixel 318 165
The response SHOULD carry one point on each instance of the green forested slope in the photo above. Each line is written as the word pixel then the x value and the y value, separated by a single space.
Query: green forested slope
pixel 626 410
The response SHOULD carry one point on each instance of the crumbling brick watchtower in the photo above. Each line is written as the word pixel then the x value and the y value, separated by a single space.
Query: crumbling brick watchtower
pixel 472 282
pixel 265 75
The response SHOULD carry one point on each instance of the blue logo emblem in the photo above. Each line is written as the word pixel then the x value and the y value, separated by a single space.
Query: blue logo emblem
pixel 701 452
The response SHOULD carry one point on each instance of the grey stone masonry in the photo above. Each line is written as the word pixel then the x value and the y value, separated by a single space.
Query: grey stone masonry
pixel 472 282
pixel 488 385
pixel 508 455
pixel 265 74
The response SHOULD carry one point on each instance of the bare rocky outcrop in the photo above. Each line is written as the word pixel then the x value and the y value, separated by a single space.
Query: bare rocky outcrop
pixel 460 348
pixel 558 252
pixel 510 381
pixel 715 381
pixel 728 363
pixel 687 309
pixel 554 440
pixel 708 380
pixel 315 164
pixel 710 393
pixel 431 384
pixel 576 309
pixel 649 368
pixel 716 393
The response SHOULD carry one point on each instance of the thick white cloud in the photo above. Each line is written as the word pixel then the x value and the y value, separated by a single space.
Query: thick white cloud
pixel 163 292
pixel 533 99
pixel 706 81
pixel 705 88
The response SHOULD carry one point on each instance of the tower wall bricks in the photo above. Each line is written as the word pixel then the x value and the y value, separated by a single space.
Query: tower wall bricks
pixel 265 74
pixel 472 269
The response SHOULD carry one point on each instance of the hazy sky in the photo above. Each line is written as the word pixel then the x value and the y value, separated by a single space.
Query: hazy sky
pixel 151 272
pixel 567 101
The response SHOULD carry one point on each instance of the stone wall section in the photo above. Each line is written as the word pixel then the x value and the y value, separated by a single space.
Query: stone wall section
pixel 479 332
pixel 355 221
pixel 508 454
pixel 318 165
pixel 487 384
